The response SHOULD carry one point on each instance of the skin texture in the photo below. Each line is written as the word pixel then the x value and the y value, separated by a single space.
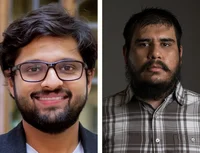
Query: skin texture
pixel 154 55
pixel 51 49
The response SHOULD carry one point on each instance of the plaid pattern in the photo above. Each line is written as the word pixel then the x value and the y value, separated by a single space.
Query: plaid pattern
pixel 132 126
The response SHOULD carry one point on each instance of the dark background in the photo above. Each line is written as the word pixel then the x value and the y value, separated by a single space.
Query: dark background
pixel 116 14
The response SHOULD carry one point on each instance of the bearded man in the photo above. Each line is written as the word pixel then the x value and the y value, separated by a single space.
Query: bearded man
pixel 154 113
pixel 48 60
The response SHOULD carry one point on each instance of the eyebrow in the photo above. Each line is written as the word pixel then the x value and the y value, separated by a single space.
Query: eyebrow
pixel 38 60
pixel 142 40
pixel 167 40
pixel 149 40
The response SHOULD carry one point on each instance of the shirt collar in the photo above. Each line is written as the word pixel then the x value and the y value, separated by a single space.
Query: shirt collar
pixel 179 94
pixel 128 94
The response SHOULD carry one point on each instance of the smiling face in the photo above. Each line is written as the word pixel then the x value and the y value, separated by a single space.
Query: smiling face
pixel 51 105
pixel 154 57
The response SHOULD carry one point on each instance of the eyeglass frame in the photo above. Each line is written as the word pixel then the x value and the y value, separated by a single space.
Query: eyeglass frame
pixel 49 65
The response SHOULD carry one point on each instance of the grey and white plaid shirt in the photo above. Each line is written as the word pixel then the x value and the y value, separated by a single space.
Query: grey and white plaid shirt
pixel 132 126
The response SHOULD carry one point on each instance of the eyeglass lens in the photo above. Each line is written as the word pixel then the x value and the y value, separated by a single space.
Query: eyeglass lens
pixel 65 70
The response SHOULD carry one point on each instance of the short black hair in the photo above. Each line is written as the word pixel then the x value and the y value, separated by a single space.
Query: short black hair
pixel 149 16
pixel 49 20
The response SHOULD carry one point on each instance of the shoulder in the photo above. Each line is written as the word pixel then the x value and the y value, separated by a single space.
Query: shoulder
pixel 88 140
pixel 191 96
pixel 115 99
pixel 186 97
pixel 13 141
pixel 115 104
pixel 88 134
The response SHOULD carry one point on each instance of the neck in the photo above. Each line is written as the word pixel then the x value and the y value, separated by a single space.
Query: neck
pixel 154 94
pixel 155 103
pixel 52 143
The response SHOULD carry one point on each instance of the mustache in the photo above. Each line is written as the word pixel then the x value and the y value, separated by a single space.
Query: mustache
pixel 46 92
pixel 150 63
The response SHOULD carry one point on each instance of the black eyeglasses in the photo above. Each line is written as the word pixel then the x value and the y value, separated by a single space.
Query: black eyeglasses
pixel 36 71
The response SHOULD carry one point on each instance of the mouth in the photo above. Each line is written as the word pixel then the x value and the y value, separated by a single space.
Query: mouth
pixel 51 98
pixel 154 68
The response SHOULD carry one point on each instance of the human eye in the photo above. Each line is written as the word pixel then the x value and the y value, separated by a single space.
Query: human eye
pixel 31 68
pixel 34 69
pixel 165 44
pixel 68 67
pixel 143 44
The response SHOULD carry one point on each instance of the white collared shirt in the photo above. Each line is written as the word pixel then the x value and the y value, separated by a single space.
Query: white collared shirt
pixel 78 149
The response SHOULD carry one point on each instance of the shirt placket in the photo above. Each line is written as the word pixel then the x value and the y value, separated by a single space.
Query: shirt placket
pixel 157 127
pixel 156 133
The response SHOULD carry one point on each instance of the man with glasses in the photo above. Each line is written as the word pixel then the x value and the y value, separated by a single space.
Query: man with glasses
pixel 48 60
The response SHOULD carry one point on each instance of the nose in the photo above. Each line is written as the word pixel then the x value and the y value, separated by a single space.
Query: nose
pixel 51 81
pixel 155 52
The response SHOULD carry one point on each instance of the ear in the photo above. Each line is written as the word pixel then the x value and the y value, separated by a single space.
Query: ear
pixel 9 82
pixel 90 75
pixel 181 53
pixel 125 54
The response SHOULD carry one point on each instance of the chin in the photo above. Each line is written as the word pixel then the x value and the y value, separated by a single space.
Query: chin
pixel 156 79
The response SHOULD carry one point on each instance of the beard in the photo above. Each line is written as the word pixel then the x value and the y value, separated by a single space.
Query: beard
pixel 149 89
pixel 60 121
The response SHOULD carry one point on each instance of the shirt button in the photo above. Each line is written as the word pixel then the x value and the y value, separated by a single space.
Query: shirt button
pixel 193 139
pixel 157 140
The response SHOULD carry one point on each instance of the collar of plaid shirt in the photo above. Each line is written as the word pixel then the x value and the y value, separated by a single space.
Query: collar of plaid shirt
pixel 130 125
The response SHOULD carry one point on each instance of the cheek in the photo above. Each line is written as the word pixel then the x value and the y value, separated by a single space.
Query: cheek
pixel 137 59
pixel 24 89
pixel 173 61
pixel 77 87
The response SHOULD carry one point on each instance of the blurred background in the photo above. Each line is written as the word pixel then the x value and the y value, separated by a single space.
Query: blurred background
pixel 13 9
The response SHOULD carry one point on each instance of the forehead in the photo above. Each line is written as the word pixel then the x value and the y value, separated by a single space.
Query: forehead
pixel 155 31
pixel 49 49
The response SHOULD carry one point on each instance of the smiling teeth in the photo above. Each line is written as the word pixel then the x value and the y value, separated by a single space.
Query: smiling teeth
pixel 51 99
